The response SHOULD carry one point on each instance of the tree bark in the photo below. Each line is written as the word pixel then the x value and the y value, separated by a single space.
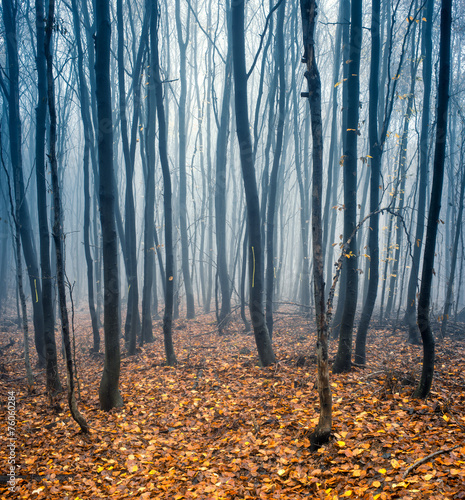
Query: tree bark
pixel 255 251
pixel 427 337
pixel 53 380
pixel 273 186
pixel 167 204
pixel 343 362
pixel 109 394
pixel 182 163
pixel 426 55
pixel 323 430
pixel 88 151
pixel 375 163
pixel 14 126
pixel 58 235
pixel 220 191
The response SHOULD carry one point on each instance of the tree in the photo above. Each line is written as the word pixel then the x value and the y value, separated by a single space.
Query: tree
pixel 323 430
pixel 109 394
pixel 132 316
pixel 424 325
pixel 220 188
pixel 14 128
pixel 343 362
pixel 58 236
pixel 427 70
pixel 89 154
pixel 182 161
pixel 273 184
pixel 255 251
pixel 53 381
pixel 167 204
pixel 453 265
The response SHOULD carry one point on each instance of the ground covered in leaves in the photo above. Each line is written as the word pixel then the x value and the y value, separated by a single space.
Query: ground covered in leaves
pixel 219 426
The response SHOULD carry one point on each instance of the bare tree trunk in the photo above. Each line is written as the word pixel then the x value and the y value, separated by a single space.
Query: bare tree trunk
pixel 169 276
pixel 343 362
pixel 182 162
pixel 58 235
pixel 14 126
pixel 14 208
pixel 427 337
pixel 426 56
pixel 109 394
pixel 273 185
pixel 453 266
pixel 220 191
pixel 53 380
pixel 88 151
pixel 323 430
pixel 255 250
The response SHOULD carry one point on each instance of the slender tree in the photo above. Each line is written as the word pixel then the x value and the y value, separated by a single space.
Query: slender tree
pixel 167 203
pixel 455 247
pixel 58 236
pixel 427 337
pixel 89 151
pixel 183 41
pixel 9 12
pixel 220 188
pixel 109 394
pixel 255 251
pixel 323 430
pixel 273 185
pixel 343 362
pixel 53 381
pixel 427 70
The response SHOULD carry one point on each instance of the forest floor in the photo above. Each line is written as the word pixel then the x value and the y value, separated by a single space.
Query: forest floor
pixel 220 427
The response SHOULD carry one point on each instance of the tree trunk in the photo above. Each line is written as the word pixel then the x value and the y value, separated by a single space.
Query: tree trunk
pixel 109 394
pixel 88 150
pixel 53 380
pixel 220 191
pixel 343 362
pixel 182 163
pixel 255 251
pixel 273 186
pixel 162 143
pixel 14 208
pixel 426 56
pixel 14 126
pixel 323 430
pixel 427 337
pixel 375 153
pixel 58 234
pixel 453 266
pixel 132 313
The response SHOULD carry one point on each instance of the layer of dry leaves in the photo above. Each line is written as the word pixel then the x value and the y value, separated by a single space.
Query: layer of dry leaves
pixel 219 426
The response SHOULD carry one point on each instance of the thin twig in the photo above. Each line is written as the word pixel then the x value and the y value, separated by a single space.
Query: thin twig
pixel 423 460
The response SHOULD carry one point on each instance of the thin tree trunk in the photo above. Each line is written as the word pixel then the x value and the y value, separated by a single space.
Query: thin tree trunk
pixel 343 362
pixel 427 337
pixel 53 380
pixel 220 191
pixel 162 143
pixel 182 162
pixel 426 56
pixel 14 126
pixel 109 394
pixel 255 250
pixel 58 235
pixel 323 430
pixel 273 186
pixel 88 150
pixel 453 266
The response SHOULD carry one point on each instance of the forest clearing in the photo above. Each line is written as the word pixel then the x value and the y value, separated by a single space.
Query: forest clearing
pixel 219 426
